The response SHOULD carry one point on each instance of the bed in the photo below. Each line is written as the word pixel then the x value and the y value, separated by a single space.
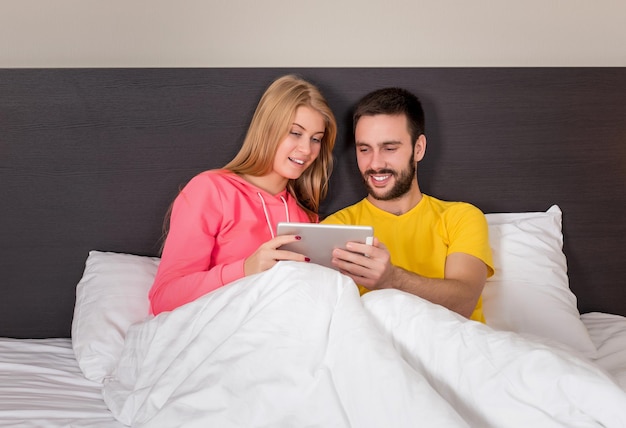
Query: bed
pixel 91 158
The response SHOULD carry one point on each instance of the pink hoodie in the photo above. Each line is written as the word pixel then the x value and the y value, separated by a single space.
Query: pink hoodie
pixel 217 221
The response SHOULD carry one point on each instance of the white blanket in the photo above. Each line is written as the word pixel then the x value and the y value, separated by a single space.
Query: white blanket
pixel 297 347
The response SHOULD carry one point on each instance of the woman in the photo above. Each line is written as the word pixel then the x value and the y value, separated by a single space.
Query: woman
pixel 222 224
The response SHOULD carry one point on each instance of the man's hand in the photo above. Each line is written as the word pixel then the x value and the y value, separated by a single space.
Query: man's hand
pixel 371 267
pixel 367 265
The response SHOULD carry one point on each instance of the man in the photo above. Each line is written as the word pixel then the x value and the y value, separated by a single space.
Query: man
pixel 435 249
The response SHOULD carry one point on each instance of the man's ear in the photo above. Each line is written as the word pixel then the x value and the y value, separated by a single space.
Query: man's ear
pixel 420 148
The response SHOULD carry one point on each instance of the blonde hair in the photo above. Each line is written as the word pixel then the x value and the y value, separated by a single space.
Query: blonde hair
pixel 269 126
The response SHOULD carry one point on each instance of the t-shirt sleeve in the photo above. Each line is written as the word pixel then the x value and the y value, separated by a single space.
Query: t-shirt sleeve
pixel 184 273
pixel 468 232
pixel 333 219
pixel 343 216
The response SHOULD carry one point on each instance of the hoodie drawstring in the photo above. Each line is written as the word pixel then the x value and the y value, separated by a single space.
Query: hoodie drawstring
pixel 267 217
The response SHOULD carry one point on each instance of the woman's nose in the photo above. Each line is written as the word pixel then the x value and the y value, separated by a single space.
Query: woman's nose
pixel 304 146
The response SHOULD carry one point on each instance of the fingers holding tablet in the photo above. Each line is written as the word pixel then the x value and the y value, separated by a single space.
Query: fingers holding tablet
pixel 319 240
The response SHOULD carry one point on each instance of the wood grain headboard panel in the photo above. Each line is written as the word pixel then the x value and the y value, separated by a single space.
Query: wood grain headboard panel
pixel 91 158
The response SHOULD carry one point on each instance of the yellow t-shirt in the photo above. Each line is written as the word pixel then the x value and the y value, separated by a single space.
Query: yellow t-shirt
pixel 421 239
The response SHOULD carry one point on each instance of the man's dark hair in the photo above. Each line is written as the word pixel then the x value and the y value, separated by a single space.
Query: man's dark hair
pixel 392 101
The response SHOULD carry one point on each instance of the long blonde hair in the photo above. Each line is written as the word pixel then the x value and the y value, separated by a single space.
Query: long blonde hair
pixel 269 126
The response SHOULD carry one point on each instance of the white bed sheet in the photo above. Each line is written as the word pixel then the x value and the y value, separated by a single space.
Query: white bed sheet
pixel 608 333
pixel 296 346
pixel 41 385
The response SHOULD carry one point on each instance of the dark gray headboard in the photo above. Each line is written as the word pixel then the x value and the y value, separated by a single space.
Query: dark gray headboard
pixel 91 158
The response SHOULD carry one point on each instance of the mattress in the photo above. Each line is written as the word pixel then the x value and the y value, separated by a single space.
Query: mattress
pixel 608 333
pixel 41 385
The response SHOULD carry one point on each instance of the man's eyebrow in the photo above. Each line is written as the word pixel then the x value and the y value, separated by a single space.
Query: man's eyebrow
pixel 384 143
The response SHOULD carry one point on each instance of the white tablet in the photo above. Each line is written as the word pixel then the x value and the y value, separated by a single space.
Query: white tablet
pixel 319 240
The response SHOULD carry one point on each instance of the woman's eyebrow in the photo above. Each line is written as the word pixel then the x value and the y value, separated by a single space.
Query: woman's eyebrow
pixel 302 127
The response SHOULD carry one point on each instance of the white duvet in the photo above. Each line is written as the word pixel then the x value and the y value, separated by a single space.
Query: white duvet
pixel 297 347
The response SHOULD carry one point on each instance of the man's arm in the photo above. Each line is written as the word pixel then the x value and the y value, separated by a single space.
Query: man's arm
pixel 459 291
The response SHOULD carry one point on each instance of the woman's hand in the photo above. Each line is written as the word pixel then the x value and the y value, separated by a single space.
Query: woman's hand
pixel 268 254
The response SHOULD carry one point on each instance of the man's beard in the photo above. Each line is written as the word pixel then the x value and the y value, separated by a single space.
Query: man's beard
pixel 403 183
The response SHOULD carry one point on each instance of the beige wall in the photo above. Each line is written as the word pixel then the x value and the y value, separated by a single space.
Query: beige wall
pixel 265 33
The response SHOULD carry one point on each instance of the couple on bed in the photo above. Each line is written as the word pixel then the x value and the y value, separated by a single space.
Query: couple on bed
pixel 222 224
pixel 296 345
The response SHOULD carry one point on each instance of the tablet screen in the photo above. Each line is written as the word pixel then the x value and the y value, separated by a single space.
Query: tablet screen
pixel 319 240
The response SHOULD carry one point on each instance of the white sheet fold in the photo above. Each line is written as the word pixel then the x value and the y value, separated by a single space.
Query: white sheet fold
pixel 496 378
pixel 297 347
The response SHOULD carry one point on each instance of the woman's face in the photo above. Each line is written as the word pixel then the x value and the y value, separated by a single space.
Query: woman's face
pixel 302 144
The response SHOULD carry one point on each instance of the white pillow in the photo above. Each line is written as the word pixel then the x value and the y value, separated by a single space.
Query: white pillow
pixel 111 295
pixel 529 293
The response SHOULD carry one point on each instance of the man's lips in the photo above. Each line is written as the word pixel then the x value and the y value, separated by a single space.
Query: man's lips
pixel 379 179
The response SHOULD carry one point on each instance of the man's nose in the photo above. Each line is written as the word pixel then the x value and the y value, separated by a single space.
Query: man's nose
pixel 377 161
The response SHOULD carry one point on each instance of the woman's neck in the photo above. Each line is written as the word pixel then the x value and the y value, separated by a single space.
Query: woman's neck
pixel 270 183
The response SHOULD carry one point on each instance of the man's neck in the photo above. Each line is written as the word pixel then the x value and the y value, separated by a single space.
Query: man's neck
pixel 401 205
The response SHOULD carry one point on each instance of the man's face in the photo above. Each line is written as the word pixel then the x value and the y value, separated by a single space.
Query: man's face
pixel 385 155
